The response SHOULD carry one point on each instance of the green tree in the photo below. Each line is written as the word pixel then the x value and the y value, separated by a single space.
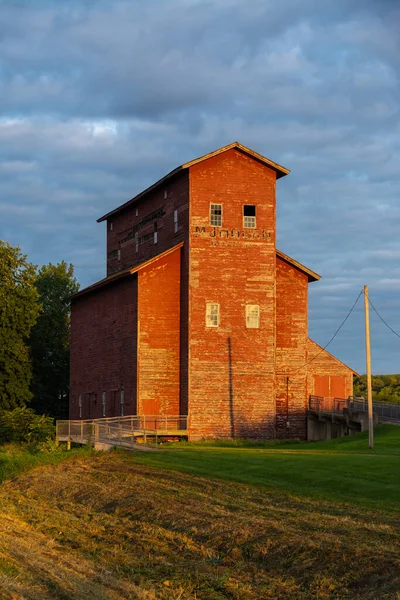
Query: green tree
pixel 50 340
pixel 19 309
pixel 360 386
pixel 24 425
pixel 385 388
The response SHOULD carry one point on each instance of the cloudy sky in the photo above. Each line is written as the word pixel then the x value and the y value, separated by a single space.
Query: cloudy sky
pixel 98 99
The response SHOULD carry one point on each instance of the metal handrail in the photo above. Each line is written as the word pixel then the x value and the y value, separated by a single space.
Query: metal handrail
pixel 105 433
pixel 125 418
pixel 336 405
pixel 384 410
pixel 131 426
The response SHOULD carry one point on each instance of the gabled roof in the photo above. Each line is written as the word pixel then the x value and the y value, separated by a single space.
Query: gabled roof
pixel 125 273
pixel 280 172
pixel 322 350
pixel 312 276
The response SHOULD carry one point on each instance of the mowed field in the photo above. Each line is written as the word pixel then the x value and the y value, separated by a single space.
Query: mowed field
pixel 290 521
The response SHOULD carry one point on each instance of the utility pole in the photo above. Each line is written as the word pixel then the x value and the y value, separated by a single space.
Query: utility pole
pixel 368 357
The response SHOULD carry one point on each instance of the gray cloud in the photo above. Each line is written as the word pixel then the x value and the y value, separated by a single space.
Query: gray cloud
pixel 99 99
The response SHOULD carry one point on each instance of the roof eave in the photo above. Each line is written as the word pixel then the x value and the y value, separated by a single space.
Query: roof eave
pixel 279 170
pixel 99 284
pixel 125 273
pixel 335 357
pixel 312 275
pixel 136 198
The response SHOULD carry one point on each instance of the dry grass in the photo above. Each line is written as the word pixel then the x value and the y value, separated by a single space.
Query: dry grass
pixel 103 527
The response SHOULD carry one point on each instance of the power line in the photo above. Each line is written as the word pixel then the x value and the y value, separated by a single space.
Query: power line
pixel 383 320
pixel 332 338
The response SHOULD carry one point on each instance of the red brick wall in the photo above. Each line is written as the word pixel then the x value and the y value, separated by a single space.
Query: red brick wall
pixel 121 237
pixel 326 374
pixel 153 207
pixel 291 340
pixel 184 329
pixel 231 367
pixel 159 336
pixel 103 350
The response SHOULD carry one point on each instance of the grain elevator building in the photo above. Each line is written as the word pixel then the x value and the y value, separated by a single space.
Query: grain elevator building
pixel 199 313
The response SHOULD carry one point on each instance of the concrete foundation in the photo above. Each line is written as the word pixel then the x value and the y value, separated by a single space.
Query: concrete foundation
pixel 327 425
pixel 103 447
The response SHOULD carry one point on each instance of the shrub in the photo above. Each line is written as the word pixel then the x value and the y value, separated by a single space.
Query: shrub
pixel 24 425
pixel 50 446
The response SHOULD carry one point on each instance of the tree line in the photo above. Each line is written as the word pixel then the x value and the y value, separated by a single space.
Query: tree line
pixel 34 333
pixel 385 388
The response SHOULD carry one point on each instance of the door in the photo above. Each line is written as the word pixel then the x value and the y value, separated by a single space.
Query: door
pixel 321 385
pixel 151 408
pixel 338 386
pixel 113 407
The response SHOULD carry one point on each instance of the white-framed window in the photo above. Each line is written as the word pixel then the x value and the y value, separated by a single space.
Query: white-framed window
pixel 80 405
pixel 136 242
pixel 216 215
pixel 137 212
pixel 176 224
pixel 252 316
pixel 249 216
pixel 104 403
pixel 122 402
pixel 212 314
pixel 111 226
pixel 165 194
pixel 119 254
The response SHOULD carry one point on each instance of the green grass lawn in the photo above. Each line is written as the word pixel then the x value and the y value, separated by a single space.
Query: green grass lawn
pixel 344 470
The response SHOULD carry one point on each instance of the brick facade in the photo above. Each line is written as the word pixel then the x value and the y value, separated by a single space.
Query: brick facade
pixel 291 340
pixel 143 329
pixel 159 336
pixel 104 351
pixel 232 367
pixel 130 233
pixel 326 375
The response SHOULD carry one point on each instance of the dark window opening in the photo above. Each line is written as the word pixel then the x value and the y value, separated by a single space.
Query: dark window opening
pixel 249 210
pixel 249 215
